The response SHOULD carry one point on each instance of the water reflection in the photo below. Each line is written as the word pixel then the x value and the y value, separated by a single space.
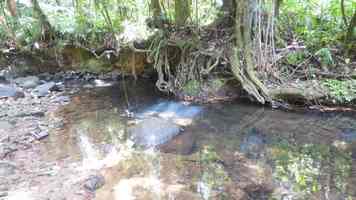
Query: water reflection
pixel 226 151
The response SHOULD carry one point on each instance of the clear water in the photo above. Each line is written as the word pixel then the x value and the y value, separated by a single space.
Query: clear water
pixel 223 151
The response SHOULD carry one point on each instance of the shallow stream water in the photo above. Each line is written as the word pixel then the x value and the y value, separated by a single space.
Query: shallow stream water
pixel 221 151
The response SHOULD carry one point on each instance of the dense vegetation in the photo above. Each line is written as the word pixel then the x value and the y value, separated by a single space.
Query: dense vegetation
pixel 262 44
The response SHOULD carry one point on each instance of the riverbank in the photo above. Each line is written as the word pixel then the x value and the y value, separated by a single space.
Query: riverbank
pixel 28 107
pixel 332 91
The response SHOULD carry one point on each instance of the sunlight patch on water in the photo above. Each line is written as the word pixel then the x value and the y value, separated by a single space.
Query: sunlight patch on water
pixel 125 188
pixel 204 190
pixel 180 113
pixel 20 195
pixel 101 83
pixel 92 158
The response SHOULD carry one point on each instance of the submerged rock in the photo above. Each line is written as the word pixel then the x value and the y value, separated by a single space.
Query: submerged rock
pixel 172 110
pixel 94 182
pixel 183 144
pixel 253 144
pixel 27 82
pixel 348 135
pixel 153 131
pixel 161 122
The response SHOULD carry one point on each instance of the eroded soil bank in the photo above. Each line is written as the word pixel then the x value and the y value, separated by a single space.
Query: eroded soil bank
pixel 321 93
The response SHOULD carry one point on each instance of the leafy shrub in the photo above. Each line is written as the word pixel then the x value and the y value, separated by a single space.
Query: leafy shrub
pixel 295 57
pixel 341 91
pixel 325 57
pixel 192 88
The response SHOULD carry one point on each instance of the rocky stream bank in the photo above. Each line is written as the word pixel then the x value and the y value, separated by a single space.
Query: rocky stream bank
pixel 27 107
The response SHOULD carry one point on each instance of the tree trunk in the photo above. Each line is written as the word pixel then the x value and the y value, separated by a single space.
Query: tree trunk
pixel 156 8
pixel 228 6
pixel 351 37
pixel 47 30
pixel 11 4
pixel 243 61
pixel 350 30
pixel 182 11
pixel 342 7
pixel 277 5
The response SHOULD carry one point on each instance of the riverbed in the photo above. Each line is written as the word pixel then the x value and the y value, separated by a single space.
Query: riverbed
pixel 127 141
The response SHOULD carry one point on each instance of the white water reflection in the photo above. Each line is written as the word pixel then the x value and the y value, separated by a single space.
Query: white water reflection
pixel 204 190
pixel 93 160
pixel 125 188
pixel 101 83
pixel 20 195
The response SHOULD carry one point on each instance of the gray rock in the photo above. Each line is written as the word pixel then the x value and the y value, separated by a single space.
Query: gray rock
pixel 40 135
pixel 29 113
pixel 4 185
pixel 61 99
pixel 94 182
pixel 6 75
pixel 44 89
pixel 45 76
pixel 6 149
pixel 4 125
pixel 7 91
pixel 348 135
pixel 183 144
pixel 153 131
pixel 27 82
pixel 253 145
pixel 3 194
pixel 7 168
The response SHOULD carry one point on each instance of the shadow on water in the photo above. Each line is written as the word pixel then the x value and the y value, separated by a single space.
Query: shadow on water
pixel 154 148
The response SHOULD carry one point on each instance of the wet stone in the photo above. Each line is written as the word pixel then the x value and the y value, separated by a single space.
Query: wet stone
pixel 4 185
pixel 253 144
pixel 6 149
pixel 94 182
pixel 27 82
pixel 61 99
pixel 45 76
pixel 7 91
pixel 40 135
pixel 7 168
pixel 5 125
pixel 153 131
pixel 44 89
pixel 30 113
pixel 182 144
pixel 3 194
pixel 348 135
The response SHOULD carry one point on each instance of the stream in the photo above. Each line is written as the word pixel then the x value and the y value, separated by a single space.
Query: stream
pixel 138 144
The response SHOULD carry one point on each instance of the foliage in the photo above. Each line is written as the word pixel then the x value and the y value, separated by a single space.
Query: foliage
pixel 192 88
pixel 295 57
pixel 213 173
pixel 325 56
pixel 302 165
pixel 341 91
pixel 81 20
pixel 317 23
